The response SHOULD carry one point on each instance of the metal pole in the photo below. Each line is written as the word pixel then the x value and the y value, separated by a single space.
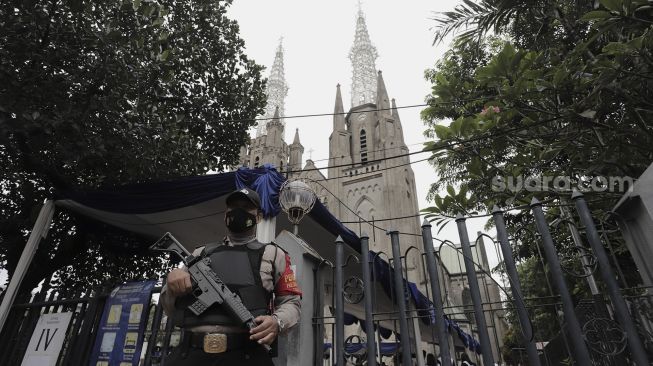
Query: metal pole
pixel 579 243
pixel 339 304
pixel 431 266
pixel 511 269
pixel 367 298
pixel 579 349
pixel 620 307
pixel 39 231
pixel 484 337
pixel 400 298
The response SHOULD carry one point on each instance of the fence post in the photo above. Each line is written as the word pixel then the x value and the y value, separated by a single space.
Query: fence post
pixel 339 304
pixel 474 290
pixel 367 298
pixel 620 307
pixel 431 266
pixel 579 348
pixel 511 269
pixel 400 297
pixel 39 231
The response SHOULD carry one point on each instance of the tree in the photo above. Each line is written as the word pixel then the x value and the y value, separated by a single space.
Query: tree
pixel 537 89
pixel 573 105
pixel 96 94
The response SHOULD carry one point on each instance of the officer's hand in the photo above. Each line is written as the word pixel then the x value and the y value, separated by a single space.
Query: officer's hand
pixel 266 331
pixel 179 282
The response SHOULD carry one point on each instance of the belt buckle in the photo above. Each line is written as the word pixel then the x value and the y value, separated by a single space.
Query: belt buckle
pixel 215 343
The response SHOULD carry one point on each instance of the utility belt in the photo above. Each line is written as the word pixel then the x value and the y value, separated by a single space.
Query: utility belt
pixel 216 342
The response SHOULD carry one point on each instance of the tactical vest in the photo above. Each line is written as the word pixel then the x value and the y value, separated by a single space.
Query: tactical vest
pixel 239 268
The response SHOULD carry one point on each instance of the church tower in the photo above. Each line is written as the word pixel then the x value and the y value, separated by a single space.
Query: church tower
pixel 363 170
pixel 268 146
pixel 296 151
pixel 276 92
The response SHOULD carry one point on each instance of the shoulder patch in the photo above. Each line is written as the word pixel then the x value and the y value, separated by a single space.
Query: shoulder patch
pixel 287 284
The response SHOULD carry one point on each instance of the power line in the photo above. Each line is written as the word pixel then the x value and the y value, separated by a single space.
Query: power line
pixel 356 112
pixel 370 151
pixel 440 147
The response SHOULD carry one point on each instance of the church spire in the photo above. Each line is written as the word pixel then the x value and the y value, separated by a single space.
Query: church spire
pixel 296 139
pixel 296 151
pixel 382 100
pixel 338 112
pixel 363 56
pixel 276 91
pixel 395 113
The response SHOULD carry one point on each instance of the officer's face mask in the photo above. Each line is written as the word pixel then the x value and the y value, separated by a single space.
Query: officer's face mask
pixel 239 220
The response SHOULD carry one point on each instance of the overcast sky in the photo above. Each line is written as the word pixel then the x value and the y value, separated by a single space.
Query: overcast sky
pixel 317 37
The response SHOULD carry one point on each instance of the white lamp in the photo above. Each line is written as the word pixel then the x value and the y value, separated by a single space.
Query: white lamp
pixel 296 199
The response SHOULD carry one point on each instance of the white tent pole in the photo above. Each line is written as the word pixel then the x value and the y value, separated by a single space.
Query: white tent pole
pixel 39 231
pixel 266 230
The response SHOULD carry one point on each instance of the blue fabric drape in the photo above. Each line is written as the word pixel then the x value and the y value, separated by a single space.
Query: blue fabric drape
pixel 387 348
pixel 383 273
pixel 150 197
pixel 266 181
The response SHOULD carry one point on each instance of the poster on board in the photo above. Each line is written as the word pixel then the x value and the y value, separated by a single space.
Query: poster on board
pixel 120 336
pixel 47 340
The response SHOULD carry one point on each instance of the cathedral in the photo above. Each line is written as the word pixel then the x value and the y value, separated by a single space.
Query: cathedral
pixel 370 184
pixel 364 183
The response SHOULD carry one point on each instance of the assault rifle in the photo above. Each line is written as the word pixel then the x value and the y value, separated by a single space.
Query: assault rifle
pixel 208 288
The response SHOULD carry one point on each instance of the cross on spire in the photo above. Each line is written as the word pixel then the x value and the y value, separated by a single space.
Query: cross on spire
pixel 310 153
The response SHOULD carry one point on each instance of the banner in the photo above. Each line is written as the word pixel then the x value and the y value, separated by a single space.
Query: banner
pixel 120 336
pixel 47 339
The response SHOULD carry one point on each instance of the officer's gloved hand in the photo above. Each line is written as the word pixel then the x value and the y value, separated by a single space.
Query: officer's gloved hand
pixel 179 282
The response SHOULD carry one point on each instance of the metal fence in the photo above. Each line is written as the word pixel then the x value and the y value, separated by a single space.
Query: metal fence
pixel 613 327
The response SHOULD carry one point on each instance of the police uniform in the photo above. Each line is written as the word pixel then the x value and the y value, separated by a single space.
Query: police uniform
pixel 261 275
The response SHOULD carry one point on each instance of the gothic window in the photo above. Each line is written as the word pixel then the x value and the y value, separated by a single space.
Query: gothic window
pixel 281 166
pixel 256 162
pixel 363 140
pixel 467 302
pixel 408 185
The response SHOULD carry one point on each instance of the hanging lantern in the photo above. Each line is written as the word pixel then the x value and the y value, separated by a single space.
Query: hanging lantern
pixel 296 199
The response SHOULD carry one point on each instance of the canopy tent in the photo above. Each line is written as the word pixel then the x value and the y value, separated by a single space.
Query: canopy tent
pixel 192 209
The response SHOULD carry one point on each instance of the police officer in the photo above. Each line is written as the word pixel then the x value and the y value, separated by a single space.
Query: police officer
pixel 260 274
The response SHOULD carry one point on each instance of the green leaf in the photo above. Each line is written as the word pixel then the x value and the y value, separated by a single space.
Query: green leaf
pixel 136 4
pixel 456 126
pixel 474 167
pixel 596 14
pixel 451 191
pixel 438 202
pixel 588 114
pixel 614 5
pixel 616 48
pixel 164 55
pixel 443 132
pixel 462 195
